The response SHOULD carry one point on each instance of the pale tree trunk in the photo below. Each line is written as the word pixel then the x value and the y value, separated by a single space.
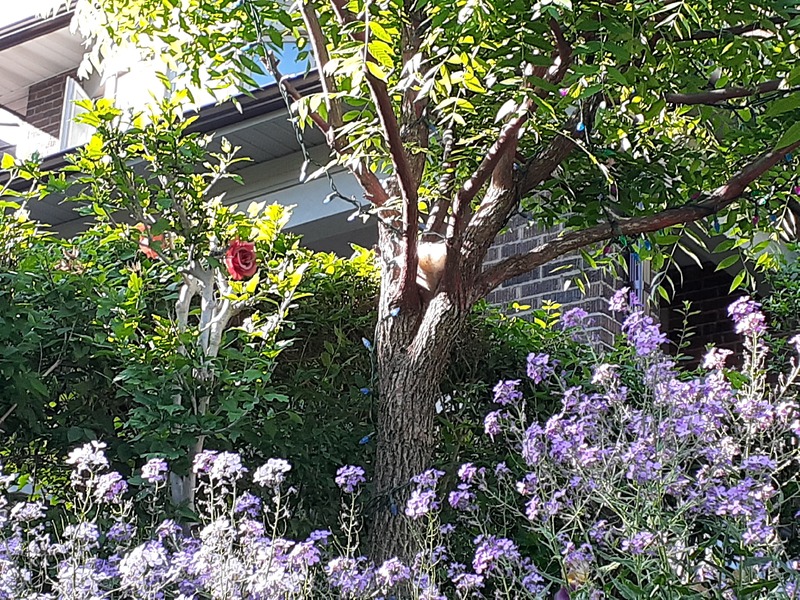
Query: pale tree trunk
pixel 215 314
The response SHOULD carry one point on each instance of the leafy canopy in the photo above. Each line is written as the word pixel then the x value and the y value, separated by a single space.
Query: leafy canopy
pixel 665 101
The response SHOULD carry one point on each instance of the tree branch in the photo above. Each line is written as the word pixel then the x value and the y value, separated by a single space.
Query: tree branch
pixel 320 49
pixel 564 48
pixel 507 139
pixel 708 34
pixel 712 203
pixel 496 206
pixel 402 168
pixel 723 94
pixel 373 190
pixel 509 135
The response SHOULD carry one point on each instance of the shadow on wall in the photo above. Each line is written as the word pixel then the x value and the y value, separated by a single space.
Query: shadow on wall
pixel 708 323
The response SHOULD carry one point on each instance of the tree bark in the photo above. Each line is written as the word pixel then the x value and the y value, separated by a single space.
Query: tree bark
pixel 412 349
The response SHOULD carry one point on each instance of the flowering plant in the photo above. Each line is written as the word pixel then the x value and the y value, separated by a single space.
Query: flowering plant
pixel 647 482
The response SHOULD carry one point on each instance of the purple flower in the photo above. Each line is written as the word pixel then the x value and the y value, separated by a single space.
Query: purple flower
pixel 305 554
pixel 506 392
pixel 428 479
pixel 273 473
pixel 643 334
pixel 155 470
pixel 462 498
pixel 167 529
pixel 758 463
pixel 392 572
pixel 467 472
pixel 574 317
pixel 467 582
pixel 27 511
pixel 349 477
pixel 539 367
pixel 247 503
pixel 203 461
pixel 501 469
pixel 532 508
pixel 319 535
pixel 747 316
pixel 82 533
pixel 715 358
pixel 532 445
pixel 110 488
pixel 638 543
pixel 491 550
pixel 421 502
pixel 528 485
pixel 491 423
pixel 89 457
pixel 227 467
pixel 121 532
pixel 604 375
pixel 619 301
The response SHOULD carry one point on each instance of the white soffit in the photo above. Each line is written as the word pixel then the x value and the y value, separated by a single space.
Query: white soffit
pixel 36 60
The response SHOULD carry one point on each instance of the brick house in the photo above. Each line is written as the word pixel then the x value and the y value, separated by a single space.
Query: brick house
pixel 39 82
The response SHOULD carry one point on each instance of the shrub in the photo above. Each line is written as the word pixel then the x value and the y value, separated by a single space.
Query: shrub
pixel 646 482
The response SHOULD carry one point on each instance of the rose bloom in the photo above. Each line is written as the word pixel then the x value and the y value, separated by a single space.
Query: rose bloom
pixel 145 241
pixel 240 260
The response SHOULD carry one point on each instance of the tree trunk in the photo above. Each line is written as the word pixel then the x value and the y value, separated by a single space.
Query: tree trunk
pixel 412 350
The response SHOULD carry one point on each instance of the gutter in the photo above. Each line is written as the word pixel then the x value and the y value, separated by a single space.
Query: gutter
pixel 33 27
pixel 214 117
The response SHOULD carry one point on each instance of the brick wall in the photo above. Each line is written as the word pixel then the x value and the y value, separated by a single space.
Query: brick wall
pixel 707 291
pixel 551 282
pixel 46 103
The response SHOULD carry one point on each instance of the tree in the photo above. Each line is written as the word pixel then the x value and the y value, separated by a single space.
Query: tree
pixel 609 120
pixel 182 309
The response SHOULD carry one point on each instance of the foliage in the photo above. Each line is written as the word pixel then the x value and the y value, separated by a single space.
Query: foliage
pixel 153 303
pixel 782 304
pixel 665 102
pixel 645 482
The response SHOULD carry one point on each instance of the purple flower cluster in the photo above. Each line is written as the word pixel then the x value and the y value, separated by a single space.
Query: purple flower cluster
pixel 645 462
pixel 507 392
pixel 349 477
pixel 423 499
pixel 155 470
pixel 272 473
pixel 540 367
pixel 574 317
pixel 747 317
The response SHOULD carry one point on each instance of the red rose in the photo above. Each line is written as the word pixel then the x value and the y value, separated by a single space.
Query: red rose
pixel 240 260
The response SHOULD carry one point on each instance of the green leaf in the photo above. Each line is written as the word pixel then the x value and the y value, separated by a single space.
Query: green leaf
pixel 726 262
pixel 7 162
pixel 791 136
pixel 737 281
pixel 782 105
pixel 376 71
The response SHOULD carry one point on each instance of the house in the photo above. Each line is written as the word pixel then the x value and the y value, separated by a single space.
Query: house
pixel 39 60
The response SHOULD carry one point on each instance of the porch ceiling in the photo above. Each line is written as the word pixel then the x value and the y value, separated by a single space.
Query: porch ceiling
pixel 34 50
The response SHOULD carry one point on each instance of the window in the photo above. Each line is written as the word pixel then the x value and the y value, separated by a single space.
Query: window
pixel 73 134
